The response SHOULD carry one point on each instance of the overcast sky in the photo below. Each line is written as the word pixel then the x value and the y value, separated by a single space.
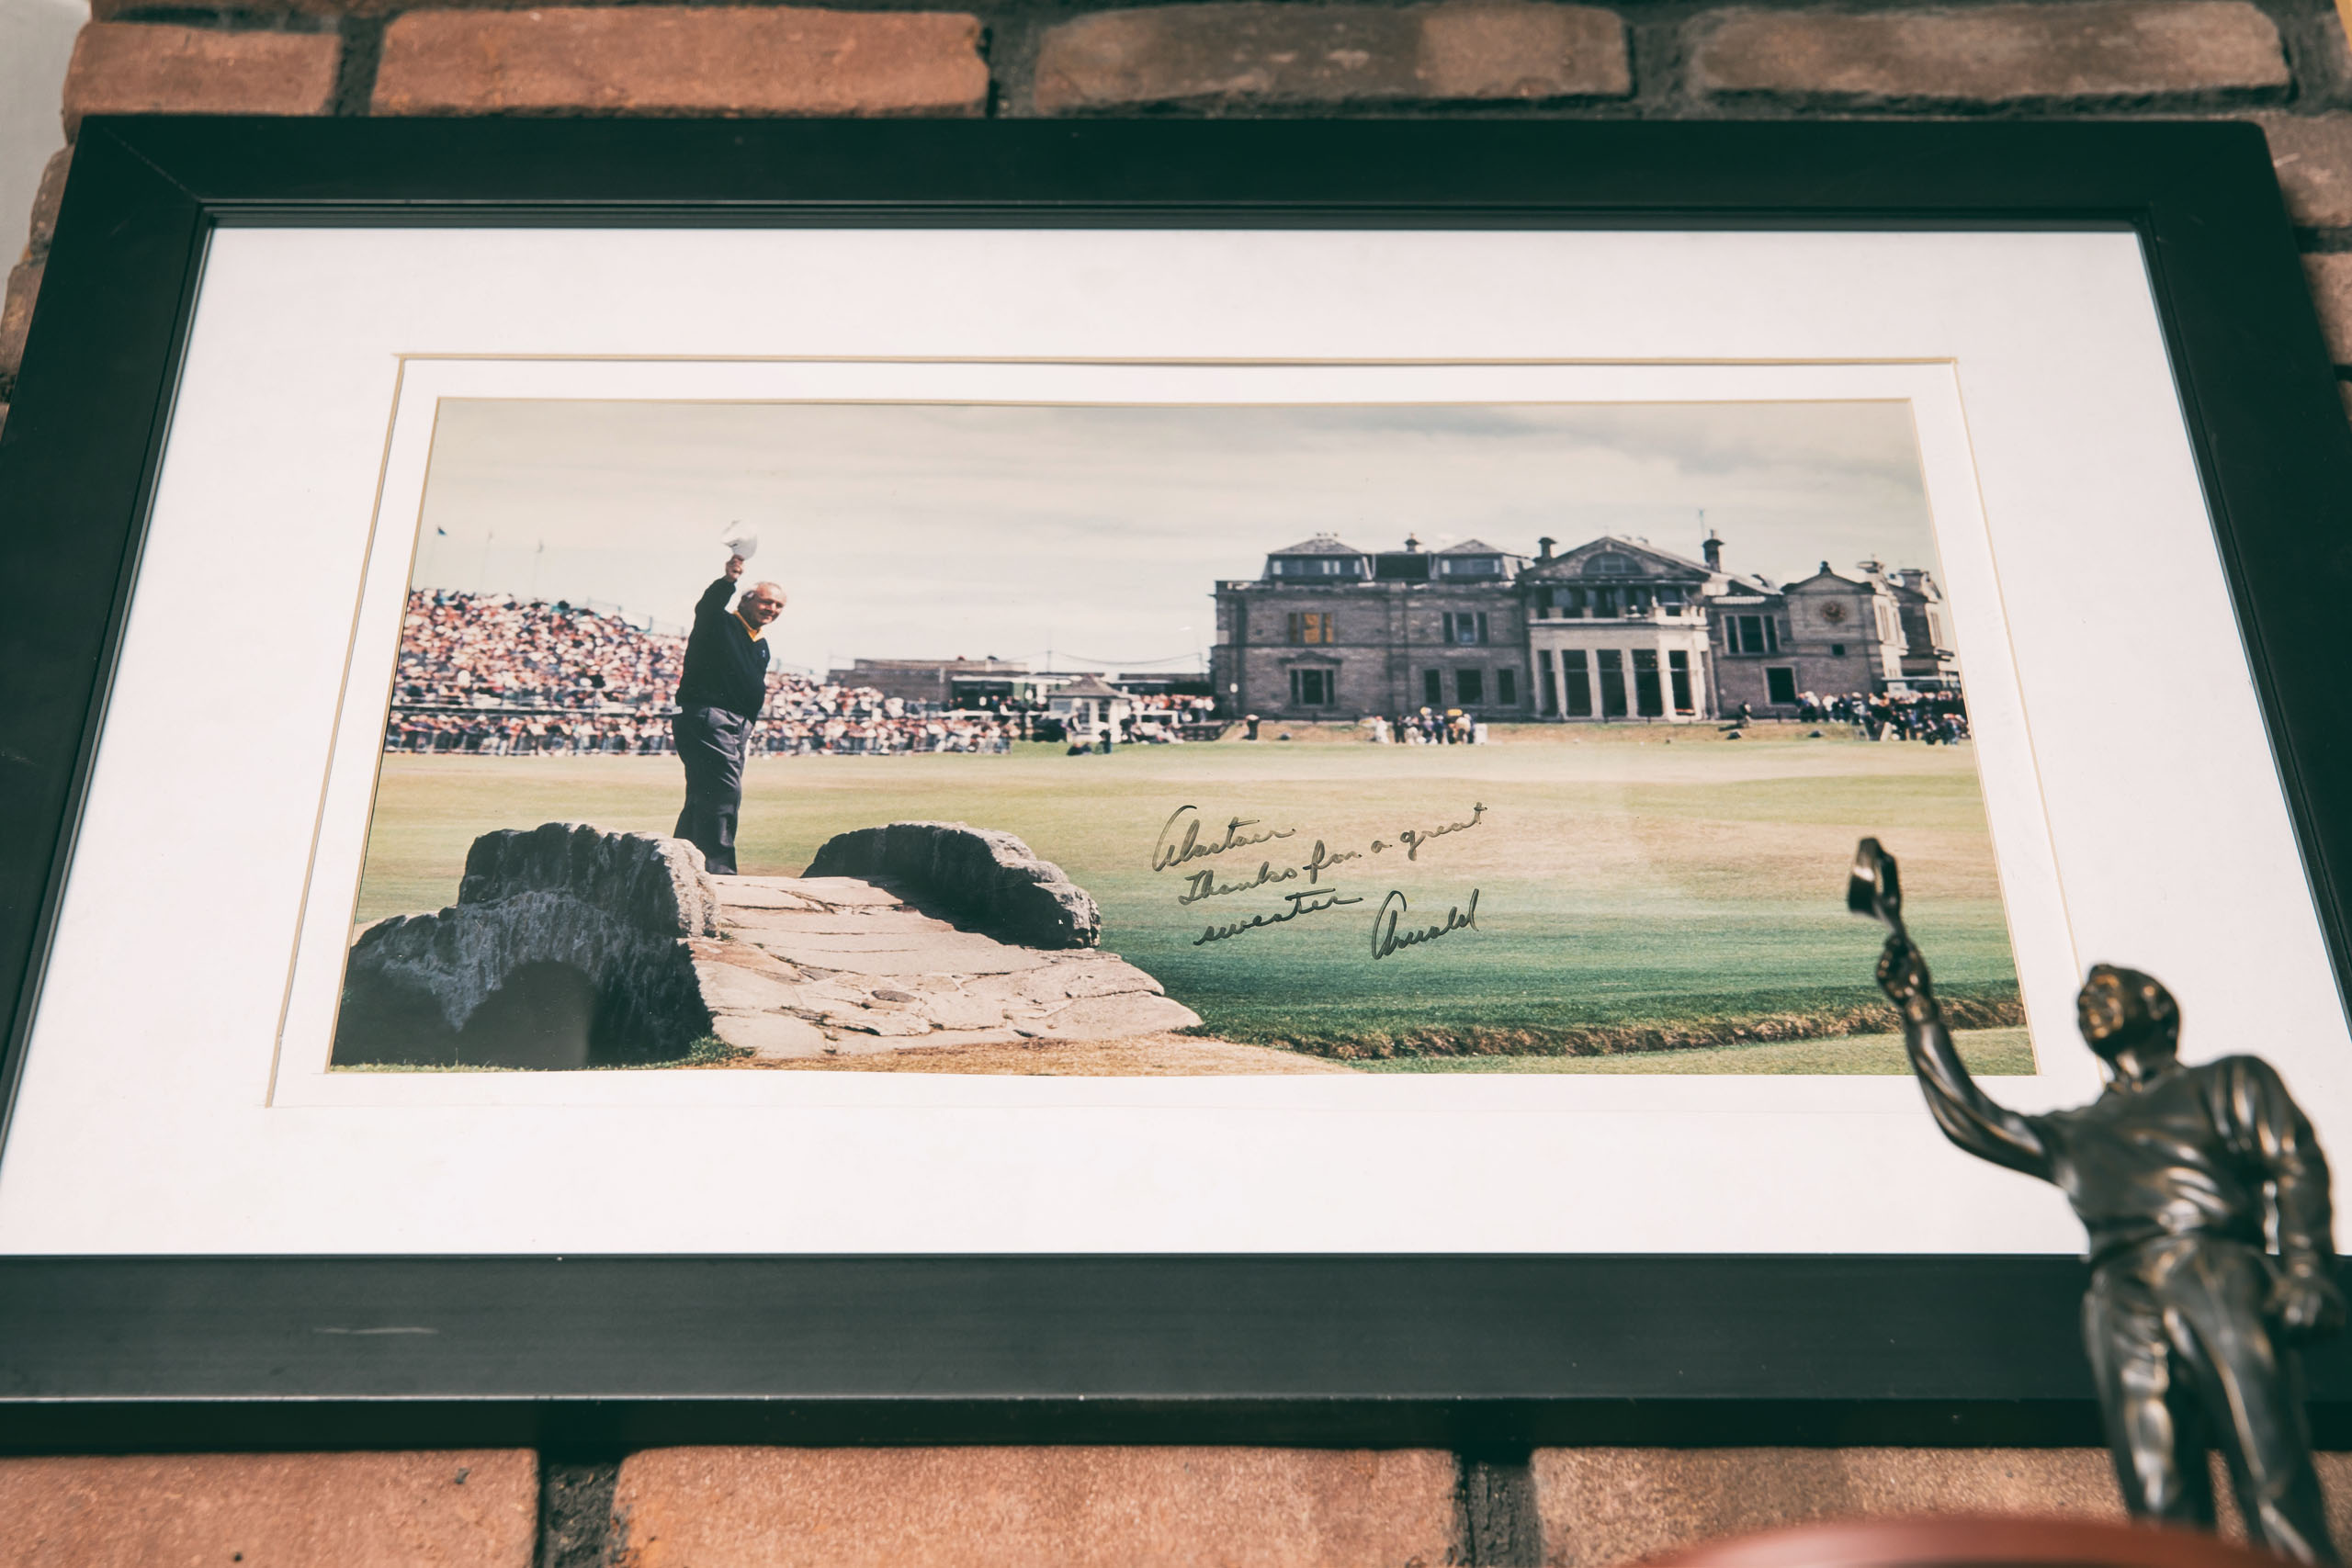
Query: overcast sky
pixel 933 530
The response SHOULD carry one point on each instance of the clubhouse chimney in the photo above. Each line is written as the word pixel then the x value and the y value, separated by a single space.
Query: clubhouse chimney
pixel 1544 549
pixel 1713 549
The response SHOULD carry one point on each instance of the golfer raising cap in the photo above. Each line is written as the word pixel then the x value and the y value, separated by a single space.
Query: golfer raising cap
pixel 719 697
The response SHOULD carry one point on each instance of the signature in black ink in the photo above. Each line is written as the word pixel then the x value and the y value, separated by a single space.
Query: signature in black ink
pixel 1387 938
pixel 1164 854
pixel 1205 884
pixel 1305 902
pixel 1413 840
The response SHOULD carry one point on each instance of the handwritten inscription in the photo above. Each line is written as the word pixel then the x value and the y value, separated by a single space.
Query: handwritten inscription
pixel 1306 901
pixel 1184 840
pixel 1387 938
pixel 1413 840
pixel 1184 822
pixel 1204 883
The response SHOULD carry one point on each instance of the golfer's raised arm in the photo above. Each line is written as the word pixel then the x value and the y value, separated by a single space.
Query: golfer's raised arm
pixel 1967 1117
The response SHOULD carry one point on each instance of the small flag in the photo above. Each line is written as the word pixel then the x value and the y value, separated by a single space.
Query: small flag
pixel 443 532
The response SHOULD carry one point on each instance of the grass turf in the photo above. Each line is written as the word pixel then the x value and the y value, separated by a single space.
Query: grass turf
pixel 1637 886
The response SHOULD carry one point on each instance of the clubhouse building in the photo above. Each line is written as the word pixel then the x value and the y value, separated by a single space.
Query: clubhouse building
pixel 1615 629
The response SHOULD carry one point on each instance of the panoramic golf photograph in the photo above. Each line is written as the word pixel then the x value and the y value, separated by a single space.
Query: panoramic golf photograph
pixel 1128 740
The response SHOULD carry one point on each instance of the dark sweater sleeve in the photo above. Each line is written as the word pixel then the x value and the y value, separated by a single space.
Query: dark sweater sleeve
pixel 714 598
pixel 2267 1125
pixel 1961 1110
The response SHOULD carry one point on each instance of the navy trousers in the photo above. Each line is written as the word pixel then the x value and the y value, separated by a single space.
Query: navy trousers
pixel 710 743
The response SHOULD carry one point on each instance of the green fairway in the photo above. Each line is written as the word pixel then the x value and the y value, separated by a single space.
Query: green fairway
pixel 1988 1052
pixel 1637 886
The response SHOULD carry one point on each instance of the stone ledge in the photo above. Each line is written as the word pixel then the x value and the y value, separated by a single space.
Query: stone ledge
pixel 153 68
pixel 1074 1508
pixel 1246 54
pixel 661 60
pixel 2060 51
pixel 461 1509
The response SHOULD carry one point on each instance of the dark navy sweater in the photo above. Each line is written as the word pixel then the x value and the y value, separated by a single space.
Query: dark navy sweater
pixel 727 666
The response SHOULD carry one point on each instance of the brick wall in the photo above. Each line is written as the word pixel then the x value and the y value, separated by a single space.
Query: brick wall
pixel 2281 63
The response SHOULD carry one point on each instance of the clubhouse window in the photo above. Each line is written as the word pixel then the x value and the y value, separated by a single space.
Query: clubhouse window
pixel 1433 688
pixel 1314 688
pixel 1311 627
pixel 1751 634
pixel 1470 687
pixel 1507 687
pixel 1577 679
pixel 1678 670
pixel 1613 682
pixel 1837 651
pixel 1648 701
pixel 1466 629
pixel 1780 683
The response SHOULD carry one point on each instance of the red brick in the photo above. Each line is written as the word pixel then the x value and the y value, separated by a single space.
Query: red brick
pixel 1601 1506
pixel 152 68
pixel 1076 1508
pixel 682 61
pixel 476 1509
pixel 1461 51
pixel 16 314
pixel 45 199
pixel 2331 281
pixel 2313 155
pixel 2064 50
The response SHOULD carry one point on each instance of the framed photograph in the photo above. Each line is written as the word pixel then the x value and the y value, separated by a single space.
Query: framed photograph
pixel 688 781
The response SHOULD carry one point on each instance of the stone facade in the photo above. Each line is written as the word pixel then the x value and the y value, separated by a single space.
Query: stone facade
pixel 1614 630
pixel 1333 632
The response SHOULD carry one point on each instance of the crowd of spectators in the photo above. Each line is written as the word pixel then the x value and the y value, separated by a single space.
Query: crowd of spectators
pixel 1934 717
pixel 1428 727
pixel 496 675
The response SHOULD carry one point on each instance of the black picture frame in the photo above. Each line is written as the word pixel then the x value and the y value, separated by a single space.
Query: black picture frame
pixel 1482 1352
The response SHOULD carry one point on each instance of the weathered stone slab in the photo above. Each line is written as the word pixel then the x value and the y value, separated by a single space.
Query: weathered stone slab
pixel 843 892
pixel 740 892
pixel 886 939
pixel 945 1039
pixel 950 952
pixel 1109 975
pixel 842 922
pixel 1113 1017
pixel 775 1036
pixel 986 879
pixel 878 1020
pixel 733 988
pixel 954 1011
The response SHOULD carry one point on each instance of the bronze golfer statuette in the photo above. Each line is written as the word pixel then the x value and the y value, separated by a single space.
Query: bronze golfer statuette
pixel 2181 1173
